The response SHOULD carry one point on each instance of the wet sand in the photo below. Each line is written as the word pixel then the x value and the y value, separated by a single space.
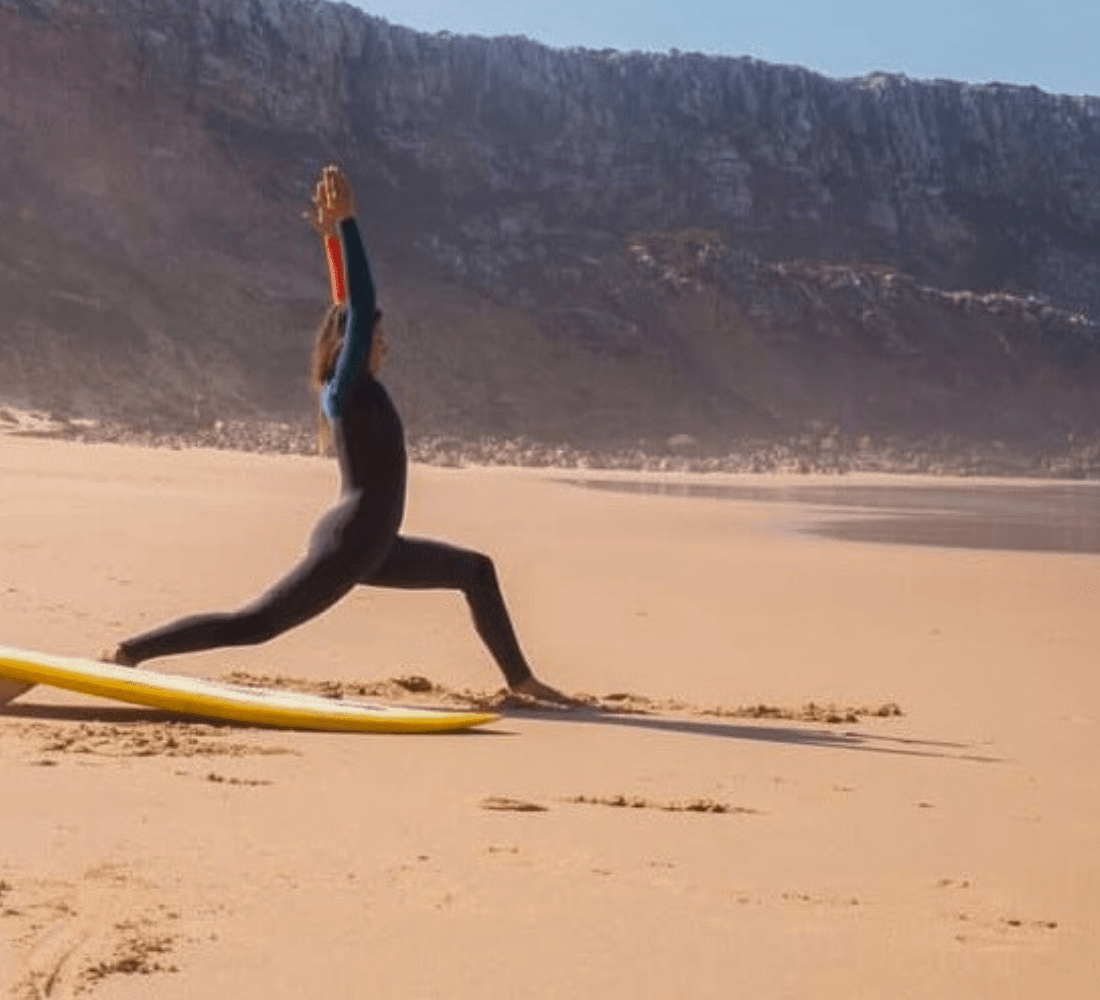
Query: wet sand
pixel 741 809
pixel 1009 516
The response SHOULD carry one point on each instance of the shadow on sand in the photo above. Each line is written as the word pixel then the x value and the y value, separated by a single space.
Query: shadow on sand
pixel 803 735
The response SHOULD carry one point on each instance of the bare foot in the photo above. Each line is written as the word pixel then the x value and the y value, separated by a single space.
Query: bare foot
pixel 534 688
pixel 116 655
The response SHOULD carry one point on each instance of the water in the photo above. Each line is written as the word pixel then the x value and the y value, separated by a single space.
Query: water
pixel 1048 517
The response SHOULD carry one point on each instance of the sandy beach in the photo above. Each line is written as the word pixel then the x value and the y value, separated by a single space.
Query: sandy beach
pixel 742 811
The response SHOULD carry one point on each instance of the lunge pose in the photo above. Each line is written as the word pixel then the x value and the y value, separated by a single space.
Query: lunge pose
pixel 358 541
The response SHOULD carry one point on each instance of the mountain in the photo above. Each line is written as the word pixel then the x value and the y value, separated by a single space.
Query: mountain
pixel 570 245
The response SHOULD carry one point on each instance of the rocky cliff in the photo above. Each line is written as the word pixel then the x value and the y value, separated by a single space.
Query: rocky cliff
pixel 584 246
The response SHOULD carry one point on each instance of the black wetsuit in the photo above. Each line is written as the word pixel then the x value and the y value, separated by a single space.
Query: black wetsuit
pixel 358 540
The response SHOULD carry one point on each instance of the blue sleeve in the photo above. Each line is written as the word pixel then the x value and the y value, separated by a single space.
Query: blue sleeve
pixel 360 321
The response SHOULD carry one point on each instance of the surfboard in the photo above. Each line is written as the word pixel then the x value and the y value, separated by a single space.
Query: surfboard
pixel 211 699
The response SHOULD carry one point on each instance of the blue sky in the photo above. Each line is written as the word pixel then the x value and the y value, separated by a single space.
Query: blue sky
pixel 1053 45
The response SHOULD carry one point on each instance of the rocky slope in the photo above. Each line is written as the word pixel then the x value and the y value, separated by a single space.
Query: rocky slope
pixel 576 246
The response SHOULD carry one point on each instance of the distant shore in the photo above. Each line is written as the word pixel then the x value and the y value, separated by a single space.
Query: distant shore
pixel 813 452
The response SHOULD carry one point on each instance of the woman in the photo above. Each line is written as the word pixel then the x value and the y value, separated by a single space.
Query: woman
pixel 357 541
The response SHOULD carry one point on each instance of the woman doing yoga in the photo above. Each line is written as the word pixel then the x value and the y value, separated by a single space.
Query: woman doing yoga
pixel 358 540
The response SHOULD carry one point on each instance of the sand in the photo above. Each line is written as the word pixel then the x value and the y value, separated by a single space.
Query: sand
pixel 741 812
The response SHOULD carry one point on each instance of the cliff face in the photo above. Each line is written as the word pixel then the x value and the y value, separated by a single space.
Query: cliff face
pixel 573 244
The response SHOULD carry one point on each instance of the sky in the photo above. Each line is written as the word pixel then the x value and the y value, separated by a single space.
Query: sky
pixel 1052 44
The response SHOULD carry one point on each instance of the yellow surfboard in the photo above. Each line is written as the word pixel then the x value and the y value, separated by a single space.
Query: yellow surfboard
pixel 218 700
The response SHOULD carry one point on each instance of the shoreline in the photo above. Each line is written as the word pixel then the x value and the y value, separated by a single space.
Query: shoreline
pixel 826 454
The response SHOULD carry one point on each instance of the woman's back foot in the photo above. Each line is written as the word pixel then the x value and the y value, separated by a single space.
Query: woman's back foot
pixel 533 688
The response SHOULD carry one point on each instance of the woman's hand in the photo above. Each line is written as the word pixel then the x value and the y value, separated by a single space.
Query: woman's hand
pixel 334 194
pixel 332 202
pixel 322 225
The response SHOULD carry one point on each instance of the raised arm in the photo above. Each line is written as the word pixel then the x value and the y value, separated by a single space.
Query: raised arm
pixel 325 228
pixel 361 301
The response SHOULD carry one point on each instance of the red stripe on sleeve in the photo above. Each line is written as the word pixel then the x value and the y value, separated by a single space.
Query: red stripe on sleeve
pixel 335 269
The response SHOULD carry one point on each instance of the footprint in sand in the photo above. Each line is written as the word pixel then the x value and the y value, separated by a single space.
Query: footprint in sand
pixel 711 806
pixel 504 804
pixel 976 930
pixel 66 937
